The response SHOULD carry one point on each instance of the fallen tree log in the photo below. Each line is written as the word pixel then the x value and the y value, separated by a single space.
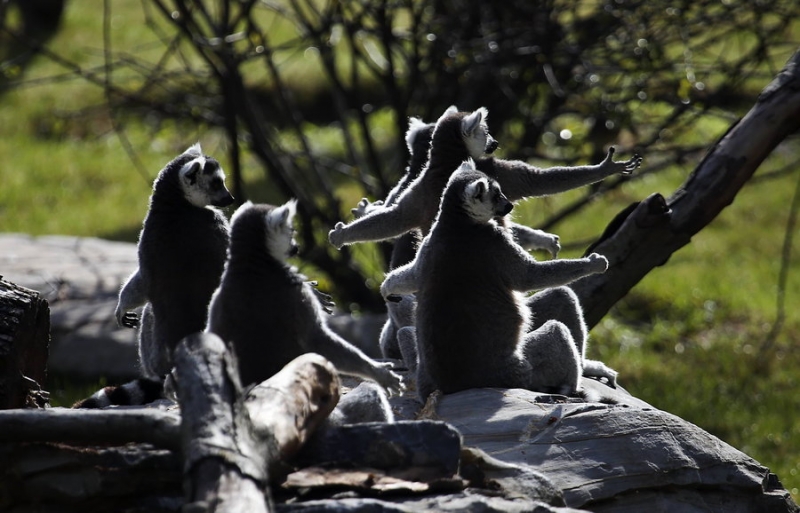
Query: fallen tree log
pixel 291 405
pixel 225 463
pixel 92 427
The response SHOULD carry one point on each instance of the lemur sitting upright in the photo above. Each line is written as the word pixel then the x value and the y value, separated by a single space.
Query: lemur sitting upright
pixel 472 321
pixel 268 313
pixel 418 141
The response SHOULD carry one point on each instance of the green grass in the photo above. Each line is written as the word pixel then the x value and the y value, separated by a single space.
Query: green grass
pixel 686 340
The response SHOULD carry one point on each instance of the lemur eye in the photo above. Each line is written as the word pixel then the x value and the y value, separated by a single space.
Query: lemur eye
pixel 216 184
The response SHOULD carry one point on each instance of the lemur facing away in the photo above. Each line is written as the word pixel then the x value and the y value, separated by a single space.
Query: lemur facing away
pixel 472 320
pixel 266 311
pixel 182 249
pixel 456 137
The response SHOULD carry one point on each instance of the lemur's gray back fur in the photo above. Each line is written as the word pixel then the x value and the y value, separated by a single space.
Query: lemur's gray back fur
pixel 266 311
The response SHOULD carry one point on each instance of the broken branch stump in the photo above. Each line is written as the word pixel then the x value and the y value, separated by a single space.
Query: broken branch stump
pixel 24 346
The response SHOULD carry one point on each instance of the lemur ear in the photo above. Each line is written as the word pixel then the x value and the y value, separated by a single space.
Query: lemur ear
pixel 472 121
pixel 190 171
pixel 415 125
pixel 282 215
pixel 451 110
pixel 194 150
pixel 477 189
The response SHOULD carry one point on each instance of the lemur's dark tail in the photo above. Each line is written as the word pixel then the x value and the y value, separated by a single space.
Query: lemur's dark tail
pixel 138 391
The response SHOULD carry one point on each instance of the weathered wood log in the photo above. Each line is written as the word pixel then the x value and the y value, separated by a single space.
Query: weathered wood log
pixel 92 427
pixel 225 463
pixel 50 477
pixel 290 405
pixel 24 346
pixel 657 228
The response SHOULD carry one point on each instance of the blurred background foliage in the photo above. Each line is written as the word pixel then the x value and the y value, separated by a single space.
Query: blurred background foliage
pixel 311 99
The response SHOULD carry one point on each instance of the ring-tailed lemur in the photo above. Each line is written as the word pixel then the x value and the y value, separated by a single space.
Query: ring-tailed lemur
pixel 472 322
pixel 266 311
pixel 182 249
pixel 418 141
pixel 456 137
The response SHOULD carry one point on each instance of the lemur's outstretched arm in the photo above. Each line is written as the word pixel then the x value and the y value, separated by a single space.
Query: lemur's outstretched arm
pixel 539 275
pixel 381 223
pixel 521 180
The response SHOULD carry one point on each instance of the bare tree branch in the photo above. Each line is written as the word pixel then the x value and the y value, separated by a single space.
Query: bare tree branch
pixel 648 235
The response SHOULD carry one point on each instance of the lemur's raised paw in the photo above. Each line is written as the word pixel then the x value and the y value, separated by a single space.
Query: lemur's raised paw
pixel 364 207
pixel 598 263
pixel 335 236
pixel 625 167
pixel 554 246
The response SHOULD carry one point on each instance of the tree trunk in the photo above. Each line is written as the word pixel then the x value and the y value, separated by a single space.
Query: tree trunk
pixel 644 237
pixel 24 346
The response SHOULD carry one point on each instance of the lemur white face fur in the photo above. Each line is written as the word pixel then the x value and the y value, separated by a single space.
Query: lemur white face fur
pixel 203 180
pixel 280 233
pixel 484 200
pixel 476 134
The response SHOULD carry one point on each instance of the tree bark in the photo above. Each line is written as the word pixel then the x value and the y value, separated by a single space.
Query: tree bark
pixel 290 405
pixel 224 462
pixel 646 236
pixel 24 346
pixel 91 427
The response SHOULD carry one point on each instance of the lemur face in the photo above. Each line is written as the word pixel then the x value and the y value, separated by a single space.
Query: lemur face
pixel 484 200
pixel 280 232
pixel 203 182
pixel 476 134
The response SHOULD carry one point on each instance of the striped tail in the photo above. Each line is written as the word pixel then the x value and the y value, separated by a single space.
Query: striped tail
pixel 138 391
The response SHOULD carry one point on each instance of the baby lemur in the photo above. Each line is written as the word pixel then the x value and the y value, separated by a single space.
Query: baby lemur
pixel 472 321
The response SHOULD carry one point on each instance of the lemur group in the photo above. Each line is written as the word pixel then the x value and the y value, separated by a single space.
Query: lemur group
pixel 468 306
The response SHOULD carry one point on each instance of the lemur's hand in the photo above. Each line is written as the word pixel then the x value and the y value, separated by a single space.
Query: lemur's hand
pixel 126 319
pixel 625 167
pixel 554 246
pixel 392 382
pixel 335 236
pixel 364 207
pixel 597 263
pixel 325 300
